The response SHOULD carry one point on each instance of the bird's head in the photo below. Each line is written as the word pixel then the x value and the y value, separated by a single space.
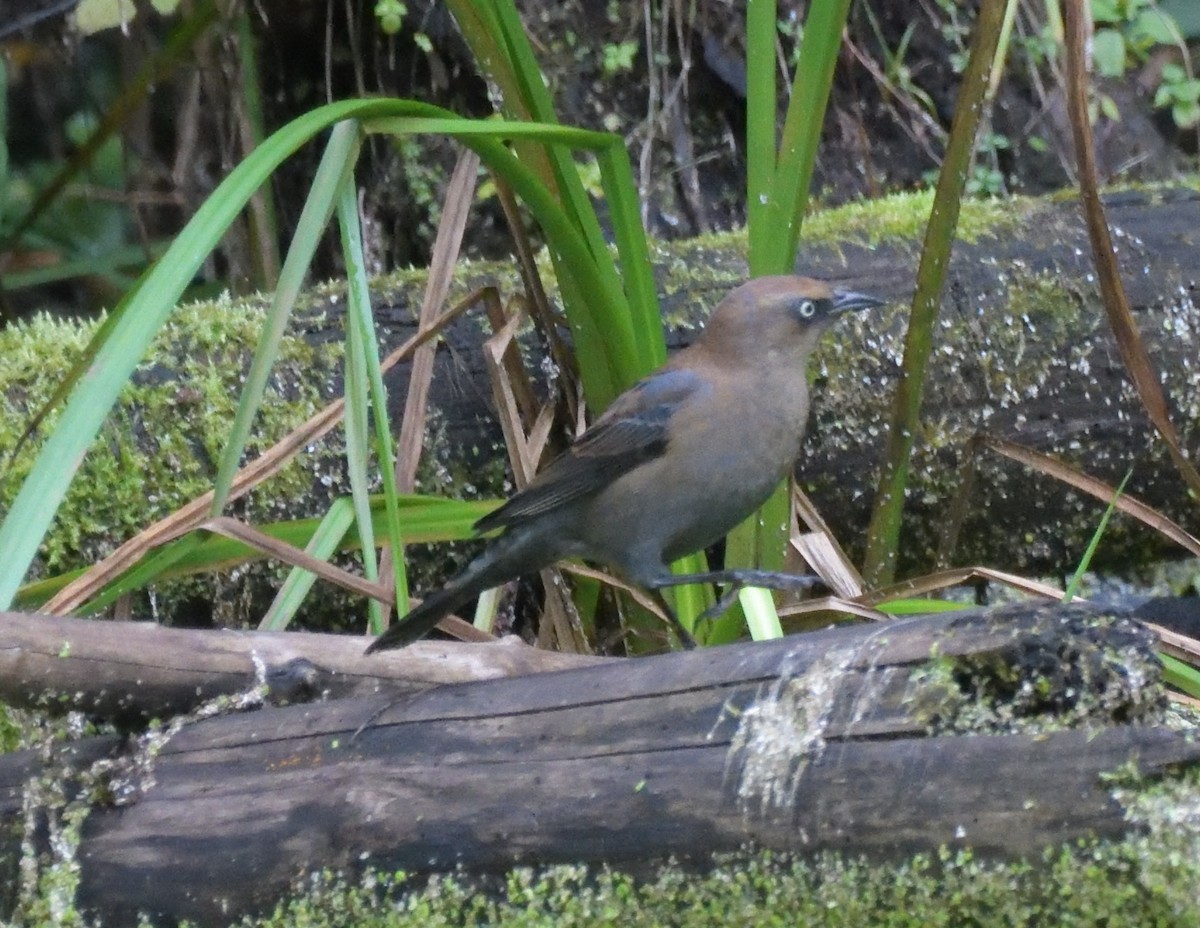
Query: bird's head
pixel 779 316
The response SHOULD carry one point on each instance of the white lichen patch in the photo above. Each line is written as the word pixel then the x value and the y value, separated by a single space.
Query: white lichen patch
pixel 784 730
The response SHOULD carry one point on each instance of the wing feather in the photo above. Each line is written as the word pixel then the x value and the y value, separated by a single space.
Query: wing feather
pixel 634 429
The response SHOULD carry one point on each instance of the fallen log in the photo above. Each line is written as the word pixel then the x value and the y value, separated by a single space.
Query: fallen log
pixel 985 729
pixel 131 672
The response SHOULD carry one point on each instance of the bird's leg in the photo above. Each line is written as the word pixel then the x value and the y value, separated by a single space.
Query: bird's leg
pixel 724 601
pixel 737 578
pixel 743 576
pixel 685 637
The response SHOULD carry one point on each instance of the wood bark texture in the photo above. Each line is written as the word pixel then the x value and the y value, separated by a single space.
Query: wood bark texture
pixel 132 672
pixel 851 739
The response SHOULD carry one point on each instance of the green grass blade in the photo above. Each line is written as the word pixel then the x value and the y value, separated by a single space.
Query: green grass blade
pixel 1183 677
pixel 1072 589
pixel 761 617
pixel 777 193
pixel 919 606
pixel 357 388
pixel 801 135
pixel 536 99
pixel 324 542
pixel 125 338
pixel 608 355
pixel 159 563
pixel 883 531
pixel 597 310
pixel 645 317
pixel 337 164
pixel 689 600
pixel 361 323
pixel 760 541
pixel 424 519
pixel 760 128
pixel 532 93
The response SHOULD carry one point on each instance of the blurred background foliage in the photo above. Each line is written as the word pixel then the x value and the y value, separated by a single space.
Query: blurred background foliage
pixel 123 115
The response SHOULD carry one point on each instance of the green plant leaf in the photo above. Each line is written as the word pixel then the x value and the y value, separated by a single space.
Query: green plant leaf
pixel 1108 53
pixel 357 390
pixel 919 606
pixel 423 519
pixel 883 531
pixel 368 377
pixel 1156 26
pixel 328 537
pixel 123 341
pixel 1183 677
pixel 1072 589
pixel 1106 11
pixel 337 165
pixel 761 616
pixel 1186 115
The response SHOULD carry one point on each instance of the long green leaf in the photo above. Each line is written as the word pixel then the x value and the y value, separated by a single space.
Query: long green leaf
pixel 126 337
pixel 760 128
pixel 424 519
pixel 135 322
pixel 337 164
pixel 634 251
pixel 1183 676
pixel 777 193
pixel 802 134
pixel 324 543
pixel 599 317
pixel 602 321
pixel 1072 589
pixel 360 324
pixel 883 532
pixel 357 389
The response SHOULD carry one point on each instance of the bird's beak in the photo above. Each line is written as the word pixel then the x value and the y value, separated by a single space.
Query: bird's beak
pixel 847 301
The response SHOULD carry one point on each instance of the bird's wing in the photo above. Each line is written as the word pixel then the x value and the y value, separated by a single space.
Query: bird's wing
pixel 631 431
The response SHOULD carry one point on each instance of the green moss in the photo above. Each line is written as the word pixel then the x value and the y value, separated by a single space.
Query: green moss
pixel 1146 879
pixel 13 728
pixel 159 447
pixel 1059 670
pixel 1127 883
pixel 903 217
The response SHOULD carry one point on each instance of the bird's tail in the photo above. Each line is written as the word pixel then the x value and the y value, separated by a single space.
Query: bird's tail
pixel 514 552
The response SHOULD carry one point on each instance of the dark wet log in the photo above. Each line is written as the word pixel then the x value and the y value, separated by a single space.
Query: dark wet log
pixel 847 739
pixel 131 672
pixel 1023 352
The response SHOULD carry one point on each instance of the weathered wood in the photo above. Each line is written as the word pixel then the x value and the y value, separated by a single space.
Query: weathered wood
pixel 131 672
pixel 812 742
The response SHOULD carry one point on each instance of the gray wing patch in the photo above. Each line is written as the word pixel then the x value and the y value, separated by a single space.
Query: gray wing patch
pixel 631 431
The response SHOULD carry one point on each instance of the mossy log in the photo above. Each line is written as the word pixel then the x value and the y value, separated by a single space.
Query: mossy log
pixel 1023 352
pixel 131 672
pixel 993 730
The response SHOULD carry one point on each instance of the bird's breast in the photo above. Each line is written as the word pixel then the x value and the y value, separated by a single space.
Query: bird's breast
pixel 715 471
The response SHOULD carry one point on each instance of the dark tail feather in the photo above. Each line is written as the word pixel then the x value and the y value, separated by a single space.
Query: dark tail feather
pixel 511 554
